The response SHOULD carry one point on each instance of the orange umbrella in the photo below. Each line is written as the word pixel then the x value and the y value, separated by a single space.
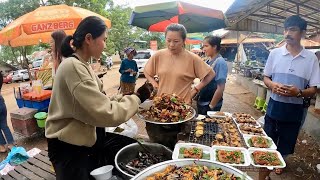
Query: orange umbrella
pixel 36 26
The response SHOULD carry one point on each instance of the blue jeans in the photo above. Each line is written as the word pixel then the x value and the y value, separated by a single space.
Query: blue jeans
pixel 3 124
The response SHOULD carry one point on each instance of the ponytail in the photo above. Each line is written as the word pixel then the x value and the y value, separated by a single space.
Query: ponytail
pixel 90 25
pixel 66 49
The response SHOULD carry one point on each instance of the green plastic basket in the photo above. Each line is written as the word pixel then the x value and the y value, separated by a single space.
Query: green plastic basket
pixel 41 119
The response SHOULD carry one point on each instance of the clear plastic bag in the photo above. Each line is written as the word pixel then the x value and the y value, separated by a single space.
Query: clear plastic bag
pixel 129 129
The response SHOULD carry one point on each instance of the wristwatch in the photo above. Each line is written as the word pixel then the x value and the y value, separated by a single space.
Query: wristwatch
pixel 299 94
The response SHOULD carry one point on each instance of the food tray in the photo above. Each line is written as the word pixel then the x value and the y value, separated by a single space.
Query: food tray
pixel 247 137
pixel 212 114
pixel 243 134
pixel 256 122
pixel 148 104
pixel 210 131
pixel 178 146
pixel 243 150
pixel 251 150
pixel 184 162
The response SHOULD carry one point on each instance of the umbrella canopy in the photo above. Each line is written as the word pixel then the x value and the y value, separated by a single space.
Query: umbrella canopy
pixel 196 50
pixel 36 26
pixel 193 41
pixel 156 17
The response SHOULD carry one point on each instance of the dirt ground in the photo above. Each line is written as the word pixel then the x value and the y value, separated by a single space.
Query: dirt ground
pixel 300 165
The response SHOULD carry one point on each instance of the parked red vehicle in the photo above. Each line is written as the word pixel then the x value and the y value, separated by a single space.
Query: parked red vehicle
pixel 7 79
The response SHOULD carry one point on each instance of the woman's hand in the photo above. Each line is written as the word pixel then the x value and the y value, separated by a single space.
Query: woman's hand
pixel 144 92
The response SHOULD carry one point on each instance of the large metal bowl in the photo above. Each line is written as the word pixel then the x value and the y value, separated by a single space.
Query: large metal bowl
pixel 131 151
pixel 183 162
pixel 147 104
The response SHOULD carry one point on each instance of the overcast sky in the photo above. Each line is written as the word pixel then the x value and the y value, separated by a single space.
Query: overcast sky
pixel 214 4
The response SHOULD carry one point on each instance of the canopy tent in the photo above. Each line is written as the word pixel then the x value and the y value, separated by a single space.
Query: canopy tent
pixel 268 15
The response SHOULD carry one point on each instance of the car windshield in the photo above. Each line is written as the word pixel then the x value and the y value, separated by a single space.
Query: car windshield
pixel 142 55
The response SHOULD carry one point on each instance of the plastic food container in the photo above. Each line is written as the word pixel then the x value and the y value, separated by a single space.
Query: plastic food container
pixel 244 151
pixel 251 150
pixel 272 144
pixel 207 151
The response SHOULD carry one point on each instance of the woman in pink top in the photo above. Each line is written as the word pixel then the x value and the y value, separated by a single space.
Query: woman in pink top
pixel 176 68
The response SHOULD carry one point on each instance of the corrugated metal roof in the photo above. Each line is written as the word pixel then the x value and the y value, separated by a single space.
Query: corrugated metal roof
pixel 273 12
pixel 307 43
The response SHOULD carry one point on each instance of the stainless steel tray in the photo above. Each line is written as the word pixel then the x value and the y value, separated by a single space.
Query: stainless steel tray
pixel 183 162
pixel 147 105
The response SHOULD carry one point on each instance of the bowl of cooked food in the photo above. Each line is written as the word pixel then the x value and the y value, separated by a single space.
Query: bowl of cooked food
pixel 191 169
pixel 134 158
pixel 166 109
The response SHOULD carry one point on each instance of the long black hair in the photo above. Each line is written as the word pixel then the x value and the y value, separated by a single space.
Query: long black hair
pixel 214 41
pixel 58 36
pixel 90 25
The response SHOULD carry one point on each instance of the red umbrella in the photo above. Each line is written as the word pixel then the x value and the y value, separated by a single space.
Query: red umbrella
pixel 156 17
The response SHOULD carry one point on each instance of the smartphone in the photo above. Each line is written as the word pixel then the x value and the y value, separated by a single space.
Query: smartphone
pixel 289 86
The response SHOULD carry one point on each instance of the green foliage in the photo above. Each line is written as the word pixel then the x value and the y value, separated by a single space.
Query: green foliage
pixel 277 37
pixel 120 35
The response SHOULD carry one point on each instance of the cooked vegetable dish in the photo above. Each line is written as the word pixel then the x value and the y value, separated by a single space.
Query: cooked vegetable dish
pixel 266 158
pixel 232 157
pixel 193 152
pixel 196 172
pixel 167 108
pixel 259 142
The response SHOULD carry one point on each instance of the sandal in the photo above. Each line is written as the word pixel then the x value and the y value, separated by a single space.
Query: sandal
pixel 278 171
pixel 10 146
pixel 3 149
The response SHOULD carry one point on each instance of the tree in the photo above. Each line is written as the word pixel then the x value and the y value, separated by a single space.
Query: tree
pixel 9 11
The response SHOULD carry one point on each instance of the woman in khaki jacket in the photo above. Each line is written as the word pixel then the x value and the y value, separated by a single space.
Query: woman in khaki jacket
pixel 79 108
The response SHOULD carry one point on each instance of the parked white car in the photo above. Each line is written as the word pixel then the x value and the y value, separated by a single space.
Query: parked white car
pixel 20 75
pixel 142 58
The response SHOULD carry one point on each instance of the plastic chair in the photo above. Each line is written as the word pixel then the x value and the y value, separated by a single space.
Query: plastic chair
pixel 259 103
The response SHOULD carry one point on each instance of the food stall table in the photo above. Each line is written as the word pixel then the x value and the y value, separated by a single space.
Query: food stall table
pixel 187 135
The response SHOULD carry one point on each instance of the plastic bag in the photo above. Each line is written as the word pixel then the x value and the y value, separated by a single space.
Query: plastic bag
pixel 261 121
pixel 128 128
pixel 16 156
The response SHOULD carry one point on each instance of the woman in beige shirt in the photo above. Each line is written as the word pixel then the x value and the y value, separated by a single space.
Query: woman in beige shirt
pixel 79 110
pixel 176 69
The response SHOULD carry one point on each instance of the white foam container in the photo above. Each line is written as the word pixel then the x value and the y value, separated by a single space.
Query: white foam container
pixel 243 134
pixel 247 137
pixel 256 124
pixel 176 151
pixel 251 150
pixel 212 114
pixel 243 150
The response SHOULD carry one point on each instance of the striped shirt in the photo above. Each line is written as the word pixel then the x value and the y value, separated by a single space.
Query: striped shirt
pixel 299 71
